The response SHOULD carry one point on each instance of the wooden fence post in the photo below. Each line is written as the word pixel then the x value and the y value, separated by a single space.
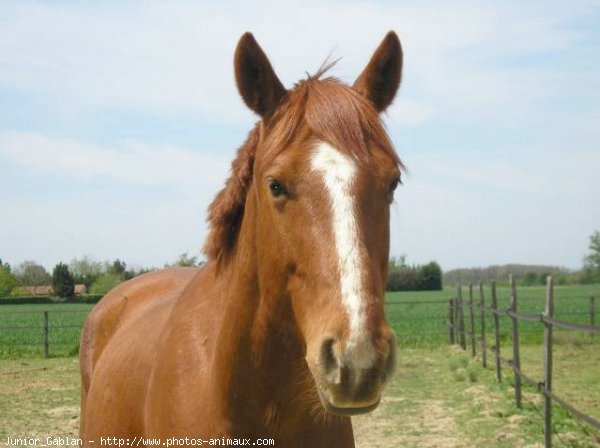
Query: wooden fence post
pixel 548 313
pixel 456 321
pixel 461 317
pixel 451 321
pixel 46 338
pixel 592 313
pixel 482 314
pixel 471 320
pixel 516 361
pixel 496 331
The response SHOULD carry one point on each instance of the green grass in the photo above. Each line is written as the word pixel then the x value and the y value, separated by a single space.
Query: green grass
pixel 426 403
pixel 425 324
pixel 39 397
pixel 443 397
pixel 417 322
pixel 22 329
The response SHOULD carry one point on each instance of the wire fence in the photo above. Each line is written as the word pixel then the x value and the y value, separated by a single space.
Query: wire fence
pixel 53 331
pixel 460 333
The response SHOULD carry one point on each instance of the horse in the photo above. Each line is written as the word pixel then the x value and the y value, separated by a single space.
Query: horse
pixel 282 333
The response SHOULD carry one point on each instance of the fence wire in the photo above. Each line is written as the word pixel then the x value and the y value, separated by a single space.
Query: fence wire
pixel 464 333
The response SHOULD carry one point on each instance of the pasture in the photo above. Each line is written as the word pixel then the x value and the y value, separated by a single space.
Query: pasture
pixel 22 329
pixel 440 396
pixel 419 319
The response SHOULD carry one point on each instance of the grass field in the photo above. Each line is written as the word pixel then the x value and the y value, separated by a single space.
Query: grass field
pixel 417 321
pixel 421 323
pixel 22 329
pixel 440 397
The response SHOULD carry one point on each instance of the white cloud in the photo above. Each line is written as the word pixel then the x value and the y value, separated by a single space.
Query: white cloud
pixel 128 162
pixel 134 224
pixel 495 65
pixel 476 209
pixel 143 234
pixel 161 57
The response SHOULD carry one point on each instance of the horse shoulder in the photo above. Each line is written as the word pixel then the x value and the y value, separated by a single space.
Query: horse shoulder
pixel 106 326
pixel 181 398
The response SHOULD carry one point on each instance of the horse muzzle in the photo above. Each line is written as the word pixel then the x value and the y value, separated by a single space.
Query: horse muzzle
pixel 350 376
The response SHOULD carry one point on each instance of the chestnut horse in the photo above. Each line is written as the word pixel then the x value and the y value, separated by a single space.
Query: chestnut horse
pixel 282 333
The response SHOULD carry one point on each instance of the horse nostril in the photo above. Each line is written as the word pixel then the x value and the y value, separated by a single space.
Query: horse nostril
pixel 328 358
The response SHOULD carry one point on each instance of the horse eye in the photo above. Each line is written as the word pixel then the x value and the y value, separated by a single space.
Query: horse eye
pixel 394 185
pixel 276 188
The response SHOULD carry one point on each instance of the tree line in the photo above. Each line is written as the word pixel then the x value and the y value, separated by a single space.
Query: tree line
pixel 530 275
pixel 99 277
pixel 404 277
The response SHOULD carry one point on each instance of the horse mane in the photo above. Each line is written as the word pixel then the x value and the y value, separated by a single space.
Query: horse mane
pixel 226 211
pixel 331 110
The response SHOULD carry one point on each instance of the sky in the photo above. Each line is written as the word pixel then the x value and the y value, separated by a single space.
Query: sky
pixel 118 122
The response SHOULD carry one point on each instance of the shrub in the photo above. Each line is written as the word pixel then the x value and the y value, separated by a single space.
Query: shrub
pixel 431 277
pixel 21 300
pixel 404 279
pixel 414 278
pixel 105 283
pixel 7 281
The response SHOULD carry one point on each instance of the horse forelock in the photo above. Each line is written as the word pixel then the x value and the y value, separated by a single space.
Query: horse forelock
pixel 331 111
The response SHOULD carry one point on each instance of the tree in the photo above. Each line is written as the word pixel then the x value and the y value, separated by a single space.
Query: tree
pixel 402 277
pixel 530 279
pixel 62 281
pixel 431 277
pixel 397 262
pixel 185 260
pixel 4 265
pixel 118 267
pixel 593 258
pixel 591 263
pixel 85 270
pixel 105 283
pixel 405 279
pixel 30 273
pixel 7 281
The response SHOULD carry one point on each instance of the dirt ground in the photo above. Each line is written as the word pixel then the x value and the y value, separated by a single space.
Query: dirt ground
pixel 439 398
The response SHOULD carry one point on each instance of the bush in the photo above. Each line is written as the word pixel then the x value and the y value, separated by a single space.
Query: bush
pixel 62 281
pixel 403 279
pixel 589 274
pixel 7 281
pixel 31 300
pixel 414 278
pixel 105 283
pixel 431 277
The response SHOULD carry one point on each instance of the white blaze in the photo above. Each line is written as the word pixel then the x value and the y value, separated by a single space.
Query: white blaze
pixel 339 172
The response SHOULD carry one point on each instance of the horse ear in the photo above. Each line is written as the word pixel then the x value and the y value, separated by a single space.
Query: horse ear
pixel 258 84
pixel 380 80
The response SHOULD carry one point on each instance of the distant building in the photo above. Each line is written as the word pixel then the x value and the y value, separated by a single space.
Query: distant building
pixel 46 290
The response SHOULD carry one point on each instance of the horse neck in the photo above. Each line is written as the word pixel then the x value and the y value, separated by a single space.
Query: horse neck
pixel 259 353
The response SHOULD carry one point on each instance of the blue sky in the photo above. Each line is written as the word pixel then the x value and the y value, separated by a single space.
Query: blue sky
pixel 118 121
